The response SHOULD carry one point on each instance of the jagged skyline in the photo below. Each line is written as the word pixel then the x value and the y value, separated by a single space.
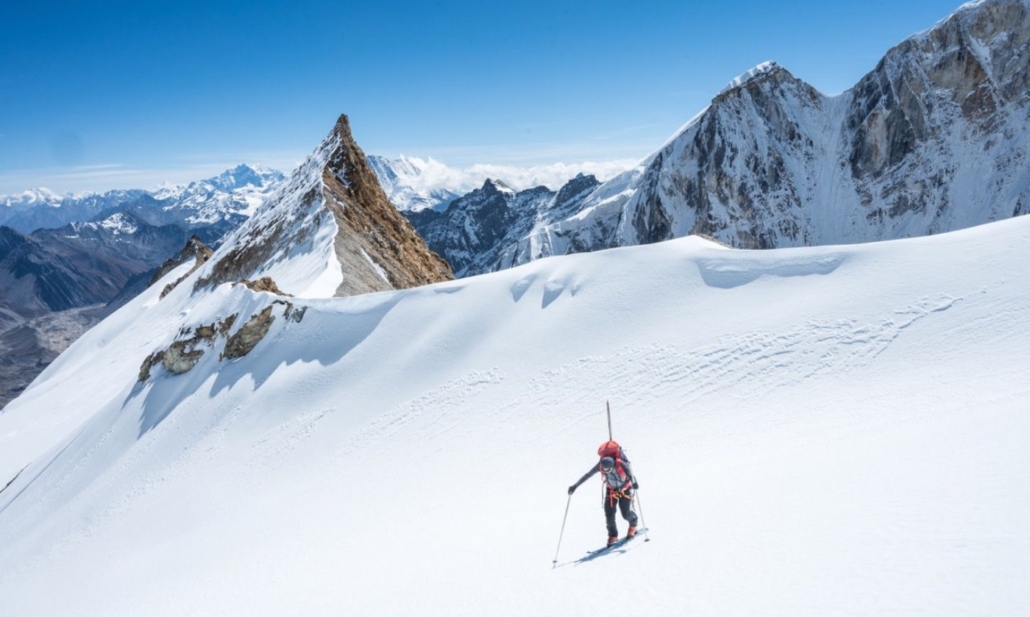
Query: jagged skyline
pixel 120 97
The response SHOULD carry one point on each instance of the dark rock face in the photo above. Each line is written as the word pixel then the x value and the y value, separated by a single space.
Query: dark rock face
pixel 195 250
pixel 488 229
pixel 249 335
pixel 79 264
pixel 371 227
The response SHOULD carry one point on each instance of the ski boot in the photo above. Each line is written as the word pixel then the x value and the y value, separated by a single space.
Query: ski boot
pixel 611 540
pixel 631 532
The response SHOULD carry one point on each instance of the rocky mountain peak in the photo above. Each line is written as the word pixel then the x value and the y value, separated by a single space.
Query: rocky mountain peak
pixel 10 239
pixel 968 68
pixel 329 229
pixel 575 187
pixel 752 80
pixel 495 186
pixel 194 249
pixel 347 164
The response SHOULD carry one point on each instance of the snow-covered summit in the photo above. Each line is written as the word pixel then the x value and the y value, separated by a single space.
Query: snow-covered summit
pixel 761 70
pixel 31 198
pixel 118 223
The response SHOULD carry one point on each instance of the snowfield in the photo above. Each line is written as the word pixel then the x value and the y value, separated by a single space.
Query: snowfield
pixel 820 431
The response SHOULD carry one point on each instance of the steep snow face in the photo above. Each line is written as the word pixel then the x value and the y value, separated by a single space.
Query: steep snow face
pixel 936 138
pixel 414 184
pixel 816 431
pixel 758 71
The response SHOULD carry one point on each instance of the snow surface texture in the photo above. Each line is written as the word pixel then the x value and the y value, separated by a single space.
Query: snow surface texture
pixel 414 184
pixel 817 431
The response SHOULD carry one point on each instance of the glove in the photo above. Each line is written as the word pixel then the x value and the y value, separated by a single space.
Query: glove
pixel 572 489
pixel 636 484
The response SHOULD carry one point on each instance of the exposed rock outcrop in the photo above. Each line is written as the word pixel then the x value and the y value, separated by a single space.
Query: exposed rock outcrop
pixel 191 344
pixel 249 335
pixel 194 249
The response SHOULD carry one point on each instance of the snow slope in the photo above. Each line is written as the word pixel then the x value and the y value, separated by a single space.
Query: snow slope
pixel 817 431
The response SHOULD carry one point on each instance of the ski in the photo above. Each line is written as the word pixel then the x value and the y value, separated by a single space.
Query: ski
pixel 618 543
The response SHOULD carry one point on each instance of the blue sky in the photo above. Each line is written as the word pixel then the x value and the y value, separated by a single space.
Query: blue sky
pixel 128 94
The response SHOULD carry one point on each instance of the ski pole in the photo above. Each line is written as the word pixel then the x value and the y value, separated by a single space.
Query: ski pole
pixel 636 497
pixel 609 408
pixel 562 534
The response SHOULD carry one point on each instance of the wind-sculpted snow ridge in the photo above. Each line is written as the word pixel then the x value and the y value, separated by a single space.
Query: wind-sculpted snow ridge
pixel 758 71
pixel 860 409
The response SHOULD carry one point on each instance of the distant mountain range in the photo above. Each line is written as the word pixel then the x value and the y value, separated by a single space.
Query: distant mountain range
pixel 219 203
pixel 55 283
pixel 413 184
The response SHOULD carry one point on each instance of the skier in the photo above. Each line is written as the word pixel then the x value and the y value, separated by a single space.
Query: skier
pixel 619 483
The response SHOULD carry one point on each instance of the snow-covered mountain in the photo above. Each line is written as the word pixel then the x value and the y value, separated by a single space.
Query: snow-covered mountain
pixel 816 431
pixel 220 202
pixel 330 217
pixel 413 184
pixel 44 209
pixel 492 227
pixel 235 192
pixel 935 138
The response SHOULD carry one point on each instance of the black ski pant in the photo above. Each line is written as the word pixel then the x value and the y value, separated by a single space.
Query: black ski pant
pixel 625 504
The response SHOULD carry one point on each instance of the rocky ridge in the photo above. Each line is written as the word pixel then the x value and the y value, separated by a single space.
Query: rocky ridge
pixel 329 216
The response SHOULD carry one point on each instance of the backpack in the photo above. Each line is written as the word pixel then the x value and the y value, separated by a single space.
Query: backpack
pixel 614 450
